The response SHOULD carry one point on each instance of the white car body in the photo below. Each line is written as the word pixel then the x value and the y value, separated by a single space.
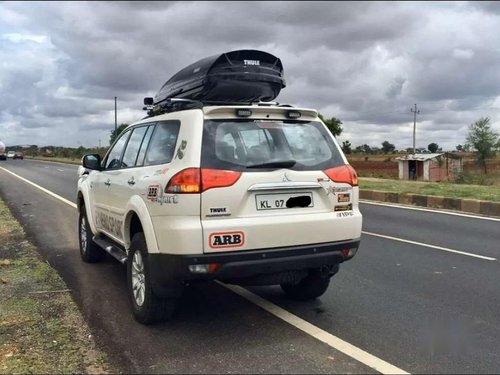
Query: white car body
pixel 245 218
pixel 190 231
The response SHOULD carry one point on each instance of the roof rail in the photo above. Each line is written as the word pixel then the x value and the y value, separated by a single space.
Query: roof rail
pixel 171 105
pixel 180 104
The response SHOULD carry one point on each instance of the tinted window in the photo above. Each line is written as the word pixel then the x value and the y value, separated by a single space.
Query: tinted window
pixel 115 154
pixel 144 146
pixel 162 145
pixel 239 144
pixel 133 145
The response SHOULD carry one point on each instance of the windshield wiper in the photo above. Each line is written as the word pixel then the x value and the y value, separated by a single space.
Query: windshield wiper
pixel 274 164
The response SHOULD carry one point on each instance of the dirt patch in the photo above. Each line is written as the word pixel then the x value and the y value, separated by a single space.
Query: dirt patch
pixel 41 329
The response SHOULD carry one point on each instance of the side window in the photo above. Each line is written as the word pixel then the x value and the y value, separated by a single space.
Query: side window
pixel 144 146
pixel 114 156
pixel 162 145
pixel 133 146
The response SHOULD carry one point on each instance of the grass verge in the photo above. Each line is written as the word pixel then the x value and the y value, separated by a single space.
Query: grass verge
pixel 41 328
pixel 442 189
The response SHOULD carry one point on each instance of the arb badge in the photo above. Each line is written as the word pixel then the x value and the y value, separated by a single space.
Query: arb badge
pixel 221 240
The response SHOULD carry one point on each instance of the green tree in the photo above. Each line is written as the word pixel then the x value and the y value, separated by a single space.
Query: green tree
pixel 333 124
pixel 387 147
pixel 358 149
pixel 346 147
pixel 433 147
pixel 483 139
pixel 114 134
pixel 367 149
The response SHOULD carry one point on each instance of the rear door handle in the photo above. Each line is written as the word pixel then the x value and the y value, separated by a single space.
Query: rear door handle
pixel 131 181
pixel 108 182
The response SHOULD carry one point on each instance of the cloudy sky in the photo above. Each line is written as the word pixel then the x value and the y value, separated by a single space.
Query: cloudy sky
pixel 367 63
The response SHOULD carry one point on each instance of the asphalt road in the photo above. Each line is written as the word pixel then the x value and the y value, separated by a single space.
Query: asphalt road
pixel 426 306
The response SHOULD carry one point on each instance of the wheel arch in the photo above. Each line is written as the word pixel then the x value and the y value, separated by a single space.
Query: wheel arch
pixel 82 200
pixel 136 220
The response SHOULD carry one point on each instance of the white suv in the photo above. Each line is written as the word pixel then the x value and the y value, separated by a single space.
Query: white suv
pixel 255 194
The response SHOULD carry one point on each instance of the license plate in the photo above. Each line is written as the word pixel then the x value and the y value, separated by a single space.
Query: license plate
pixel 283 200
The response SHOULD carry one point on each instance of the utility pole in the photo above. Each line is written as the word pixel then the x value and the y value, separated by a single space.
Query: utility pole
pixel 415 111
pixel 115 115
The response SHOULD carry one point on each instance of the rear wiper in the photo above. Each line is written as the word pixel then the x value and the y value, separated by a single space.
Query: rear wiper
pixel 274 164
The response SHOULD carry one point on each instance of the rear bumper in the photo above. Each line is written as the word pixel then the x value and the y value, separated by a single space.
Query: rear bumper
pixel 168 271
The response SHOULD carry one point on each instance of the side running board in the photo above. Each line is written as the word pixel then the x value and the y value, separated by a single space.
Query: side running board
pixel 111 248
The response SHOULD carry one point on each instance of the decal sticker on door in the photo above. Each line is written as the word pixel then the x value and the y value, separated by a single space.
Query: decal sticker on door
pixel 221 240
pixel 153 192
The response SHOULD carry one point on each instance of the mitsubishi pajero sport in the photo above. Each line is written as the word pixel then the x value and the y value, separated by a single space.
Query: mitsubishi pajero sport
pixel 219 183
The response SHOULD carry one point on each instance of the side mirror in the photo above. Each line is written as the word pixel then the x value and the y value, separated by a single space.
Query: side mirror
pixel 92 161
pixel 148 101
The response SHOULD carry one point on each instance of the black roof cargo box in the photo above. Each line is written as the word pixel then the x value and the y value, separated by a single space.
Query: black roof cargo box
pixel 232 77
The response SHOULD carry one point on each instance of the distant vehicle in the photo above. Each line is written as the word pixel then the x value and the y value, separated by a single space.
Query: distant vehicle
pixel 2 151
pixel 10 154
pixel 18 155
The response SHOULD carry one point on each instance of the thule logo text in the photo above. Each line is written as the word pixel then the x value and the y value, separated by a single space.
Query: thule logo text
pixel 251 62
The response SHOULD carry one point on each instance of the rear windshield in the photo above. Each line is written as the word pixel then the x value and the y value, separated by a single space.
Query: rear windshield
pixel 253 145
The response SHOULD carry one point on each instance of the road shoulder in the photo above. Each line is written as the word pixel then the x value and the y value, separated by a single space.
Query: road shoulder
pixel 41 328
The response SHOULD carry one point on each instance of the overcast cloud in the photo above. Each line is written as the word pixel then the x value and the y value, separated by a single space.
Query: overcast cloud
pixel 62 63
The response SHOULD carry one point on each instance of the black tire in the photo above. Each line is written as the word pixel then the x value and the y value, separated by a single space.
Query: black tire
pixel 310 287
pixel 89 250
pixel 150 308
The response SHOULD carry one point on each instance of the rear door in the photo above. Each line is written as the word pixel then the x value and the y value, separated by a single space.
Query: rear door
pixel 270 186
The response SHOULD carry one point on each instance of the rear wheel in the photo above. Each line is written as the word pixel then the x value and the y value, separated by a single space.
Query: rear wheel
pixel 146 306
pixel 312 286
pixel 89 250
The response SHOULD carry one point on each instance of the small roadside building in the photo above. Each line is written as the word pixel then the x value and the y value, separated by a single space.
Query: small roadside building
pixel 430 167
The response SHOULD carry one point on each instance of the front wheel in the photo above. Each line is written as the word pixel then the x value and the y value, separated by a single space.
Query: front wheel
pixel 89 250
pixel 146 306
pixel 312 286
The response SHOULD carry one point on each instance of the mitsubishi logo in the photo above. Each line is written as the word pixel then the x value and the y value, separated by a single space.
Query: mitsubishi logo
pixel 285 178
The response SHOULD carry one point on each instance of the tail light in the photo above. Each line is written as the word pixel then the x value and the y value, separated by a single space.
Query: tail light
pixel 343 173
pixel 214 178
pixel 196 180
pixel 186 181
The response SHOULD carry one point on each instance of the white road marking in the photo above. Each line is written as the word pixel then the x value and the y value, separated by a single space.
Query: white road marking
pixel 430 246
pixel 41 188
pixel 316 332
pixel 433 210
pixel 60 170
